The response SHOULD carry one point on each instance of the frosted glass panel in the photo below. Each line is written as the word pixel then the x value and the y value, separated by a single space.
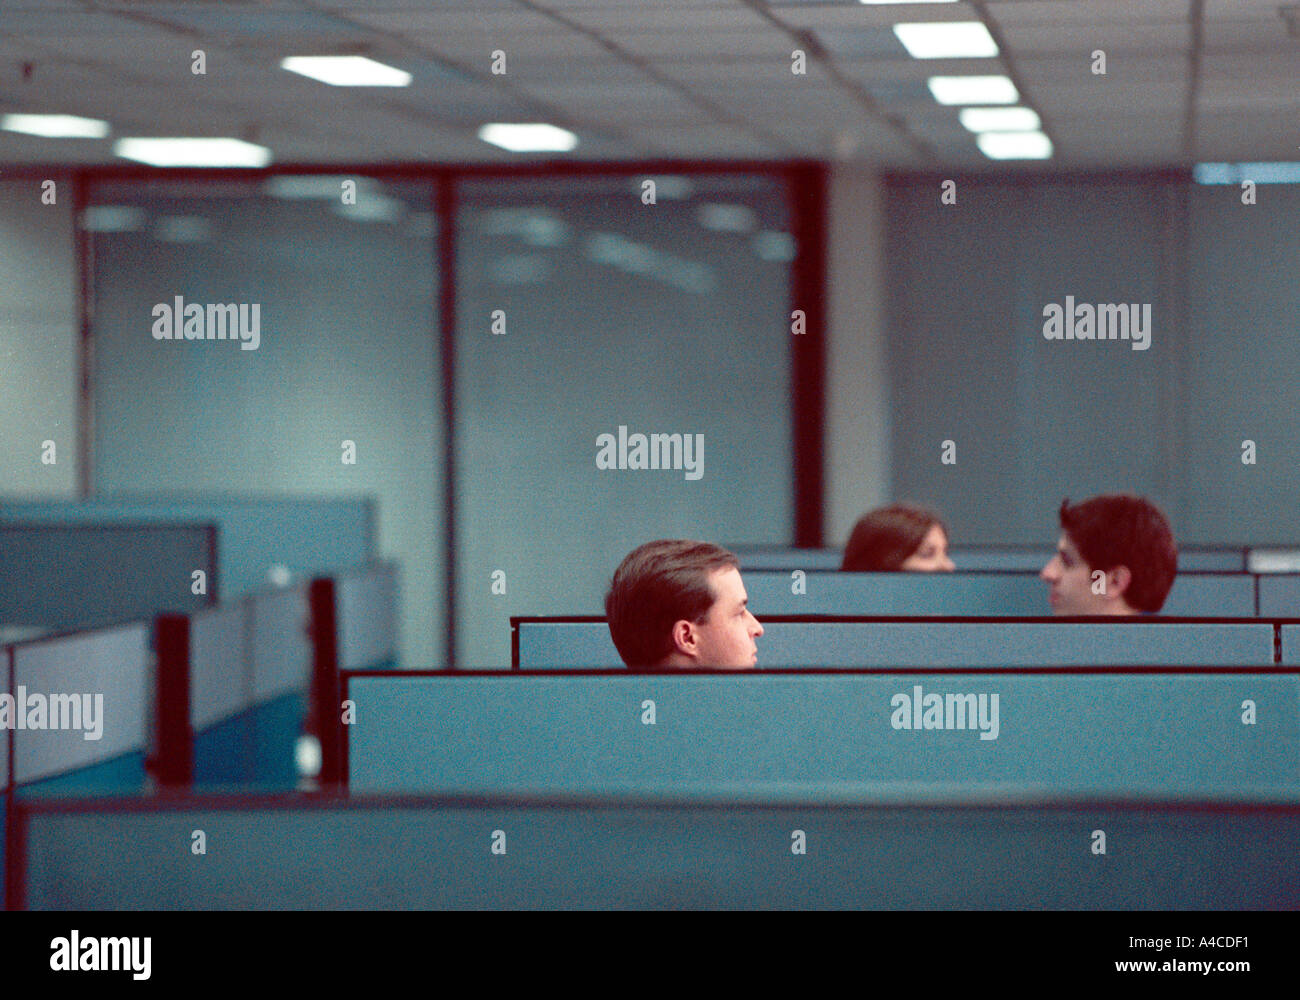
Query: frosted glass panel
pixel 581 310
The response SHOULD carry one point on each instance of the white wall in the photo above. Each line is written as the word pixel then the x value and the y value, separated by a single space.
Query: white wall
pixel 38 340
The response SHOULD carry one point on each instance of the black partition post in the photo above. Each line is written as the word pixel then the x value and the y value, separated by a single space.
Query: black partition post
pixel 325 706
pixel 172 761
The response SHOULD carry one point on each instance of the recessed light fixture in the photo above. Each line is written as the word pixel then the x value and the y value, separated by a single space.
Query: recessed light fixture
pixel 347 71
pixel 973 89
pixel 55 126
pixel 535 137
pixel 1000 119
pixel 1014 145
pixel 193 152
pixel 947 40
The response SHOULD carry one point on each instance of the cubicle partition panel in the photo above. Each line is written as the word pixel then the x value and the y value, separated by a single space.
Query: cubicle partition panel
pixel 865 849
pixel 811 642
pixel 259 538
pixel 800 593
pixel 757 558
pixel 281 658
pixel 221 695
pixel 65 576
pixel 1060 733
pixel 1289 643
pixel 250 668
pixel 1279 596
pixel 83 710
pixel 978 558
pixel 795 592
pixel 366 601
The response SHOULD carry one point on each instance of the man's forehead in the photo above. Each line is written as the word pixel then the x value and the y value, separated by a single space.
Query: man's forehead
pixel 727 584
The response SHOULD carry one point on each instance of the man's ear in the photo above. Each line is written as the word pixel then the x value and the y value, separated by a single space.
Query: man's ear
pixel 685 639
pixel 1117 582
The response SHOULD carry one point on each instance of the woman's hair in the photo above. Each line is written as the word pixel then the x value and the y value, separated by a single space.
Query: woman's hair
pixel 884 538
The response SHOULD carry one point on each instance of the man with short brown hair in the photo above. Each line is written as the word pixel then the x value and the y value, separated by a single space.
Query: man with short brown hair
pixel 675 603
pixel 1116 556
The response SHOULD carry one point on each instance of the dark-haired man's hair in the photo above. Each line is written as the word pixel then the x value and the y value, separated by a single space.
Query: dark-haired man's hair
pixel 657 585
pixel 884 538
pixel 1119 529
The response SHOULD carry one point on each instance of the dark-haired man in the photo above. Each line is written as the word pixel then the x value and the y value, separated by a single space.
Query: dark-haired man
pixel 675 603
pixel 1116 556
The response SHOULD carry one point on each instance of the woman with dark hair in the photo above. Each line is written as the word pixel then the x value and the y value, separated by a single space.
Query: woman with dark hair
pixel 898 537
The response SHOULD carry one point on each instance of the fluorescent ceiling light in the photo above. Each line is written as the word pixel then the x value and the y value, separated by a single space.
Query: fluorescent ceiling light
pixel 1000 119
pixel 1014 145
pixel 973 89
pixel 883 2
pixel 55 126
pixel 528 138
pixel 193 152
pixel 947 40
pixel 1235 173
pixel 347 71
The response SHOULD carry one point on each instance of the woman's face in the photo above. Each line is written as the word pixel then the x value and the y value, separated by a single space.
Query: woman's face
pixel 931 556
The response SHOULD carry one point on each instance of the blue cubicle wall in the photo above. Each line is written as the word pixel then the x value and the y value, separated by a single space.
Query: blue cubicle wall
pixel 1002 594
pixel 366 600
pixel 49 681
pixel 114 666
pixel 979 558
pixel 252 666
pixel 250 671
pixel 871 849
pixel 1062 733
pixel 1290 655
pixel 1279 596
pixel 787 641
pixel 66 576
pixel 255 534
